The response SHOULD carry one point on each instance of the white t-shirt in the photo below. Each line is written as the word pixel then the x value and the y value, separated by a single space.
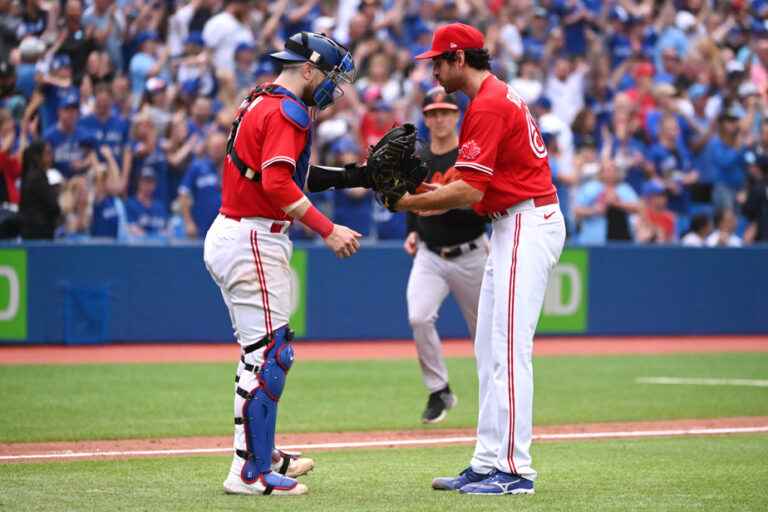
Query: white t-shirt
pixel 693 239
pixel 713 239
pixel 222 34
pixel 567 96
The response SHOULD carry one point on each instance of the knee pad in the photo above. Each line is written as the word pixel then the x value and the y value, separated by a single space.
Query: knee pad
pixel 260 407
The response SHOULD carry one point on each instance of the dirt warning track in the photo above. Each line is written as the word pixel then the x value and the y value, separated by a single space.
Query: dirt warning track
pixel 356 350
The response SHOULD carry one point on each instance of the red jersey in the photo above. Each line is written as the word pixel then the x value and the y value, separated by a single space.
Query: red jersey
pixel 501 151
pixel 266 135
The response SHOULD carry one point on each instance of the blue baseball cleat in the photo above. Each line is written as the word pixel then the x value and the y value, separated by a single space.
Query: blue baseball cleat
pixel 499 483
pixel 454 483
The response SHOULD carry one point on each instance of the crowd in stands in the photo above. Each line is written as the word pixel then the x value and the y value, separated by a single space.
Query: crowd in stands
pixel 114 114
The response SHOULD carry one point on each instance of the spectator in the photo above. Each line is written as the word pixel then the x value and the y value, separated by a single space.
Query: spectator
pixel 194 67
pixel 107 25
pixel 672 165
pixel 147 216
pixel 156 104
pixel 376 122
pixel 224 31
pixel 245 66
pixel 30 50
pixel 109 218
pixel 34 20
pixel 180 147
pixel 77 41
pixel 725 155
pixel 529 82
pixel 627 151
pixel 53 87
pixel 146 153
pixel 39 207
pixel 200 190
pixel 105 125
pixel 148 62
pixel 549 122
pixel 701 227
pixel 724 234
pixel 564 180
pixel 69 144
pixel 565 88
pixel 756 205
pixel 75 206
pixel 603 207
pixel 351 207
pixel 655 224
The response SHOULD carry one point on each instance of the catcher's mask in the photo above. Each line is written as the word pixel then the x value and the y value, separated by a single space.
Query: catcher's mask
pixel 325 54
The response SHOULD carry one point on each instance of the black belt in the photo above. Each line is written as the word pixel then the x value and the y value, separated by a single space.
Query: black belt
pixel 453 251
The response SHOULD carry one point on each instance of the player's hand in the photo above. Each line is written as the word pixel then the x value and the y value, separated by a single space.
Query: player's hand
pixel 411 243
pixel 344 242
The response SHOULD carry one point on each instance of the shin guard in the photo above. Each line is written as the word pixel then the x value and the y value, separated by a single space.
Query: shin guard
pixel 260 407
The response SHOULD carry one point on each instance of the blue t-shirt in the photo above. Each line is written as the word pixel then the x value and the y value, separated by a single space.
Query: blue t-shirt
pixel 726 164
pixel 353 212
pixel 159 165
pixel 139 68
pixel 575 33
pixel 113 132
pixel 671 164
pixel 203 183
pixel 106 218
pixel 594 230
pixel 25 79
pixel 67 148
pixel 152 219
pixel 52 96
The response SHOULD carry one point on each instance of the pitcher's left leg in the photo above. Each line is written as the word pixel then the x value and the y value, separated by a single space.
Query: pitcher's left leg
pixel 540 245
pixel 535 250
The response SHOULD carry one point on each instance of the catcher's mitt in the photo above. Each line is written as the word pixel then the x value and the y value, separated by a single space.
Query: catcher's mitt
pixel 393 167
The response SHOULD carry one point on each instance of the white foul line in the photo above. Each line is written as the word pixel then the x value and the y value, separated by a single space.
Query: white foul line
pixel 703 382
pixel 396 442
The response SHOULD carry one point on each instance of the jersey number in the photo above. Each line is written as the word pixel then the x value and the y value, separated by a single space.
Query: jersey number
pixel 534 137
pixel 250 107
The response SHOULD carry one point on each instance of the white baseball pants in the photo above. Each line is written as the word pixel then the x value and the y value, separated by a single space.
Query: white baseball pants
pixel 250 262
pixel 432 278
pixel 525 246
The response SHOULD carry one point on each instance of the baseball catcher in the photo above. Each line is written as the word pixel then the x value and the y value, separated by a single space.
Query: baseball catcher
pixel 392 169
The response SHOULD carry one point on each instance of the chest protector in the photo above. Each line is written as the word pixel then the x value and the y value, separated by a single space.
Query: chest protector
pixel 293 110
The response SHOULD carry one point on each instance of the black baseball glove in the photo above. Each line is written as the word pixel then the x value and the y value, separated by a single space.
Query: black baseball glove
pixel 393 167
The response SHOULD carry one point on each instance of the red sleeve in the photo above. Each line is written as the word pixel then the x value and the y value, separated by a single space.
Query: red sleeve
pixel 277 182
pixel 11 168
pixel 283 141
pixel 480 138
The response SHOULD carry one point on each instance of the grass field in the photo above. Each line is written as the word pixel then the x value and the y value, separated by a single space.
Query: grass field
pixel 712 474
pixel 117 401
pixel 49 403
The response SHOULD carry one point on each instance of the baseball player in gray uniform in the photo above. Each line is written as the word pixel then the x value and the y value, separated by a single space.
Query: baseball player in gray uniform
pixel 449 252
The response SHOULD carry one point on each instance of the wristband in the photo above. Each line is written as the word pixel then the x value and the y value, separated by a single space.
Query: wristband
pixel 317 222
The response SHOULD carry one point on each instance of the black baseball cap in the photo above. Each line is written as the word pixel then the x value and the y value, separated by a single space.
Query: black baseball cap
pixel 437 99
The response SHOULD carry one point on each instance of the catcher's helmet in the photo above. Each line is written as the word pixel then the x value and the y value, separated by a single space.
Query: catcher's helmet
pixel 327 55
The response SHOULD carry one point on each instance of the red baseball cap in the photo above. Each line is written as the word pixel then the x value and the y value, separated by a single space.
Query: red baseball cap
pixel 452 37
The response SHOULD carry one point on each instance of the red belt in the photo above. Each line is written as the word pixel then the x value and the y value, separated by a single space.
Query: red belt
pixel 276 227
pixel 537 201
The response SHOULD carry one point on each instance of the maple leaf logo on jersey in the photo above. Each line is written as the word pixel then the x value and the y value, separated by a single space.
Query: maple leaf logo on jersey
pixel 469 150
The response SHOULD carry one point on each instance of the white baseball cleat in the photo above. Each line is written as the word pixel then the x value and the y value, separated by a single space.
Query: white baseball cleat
pixel 273 484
